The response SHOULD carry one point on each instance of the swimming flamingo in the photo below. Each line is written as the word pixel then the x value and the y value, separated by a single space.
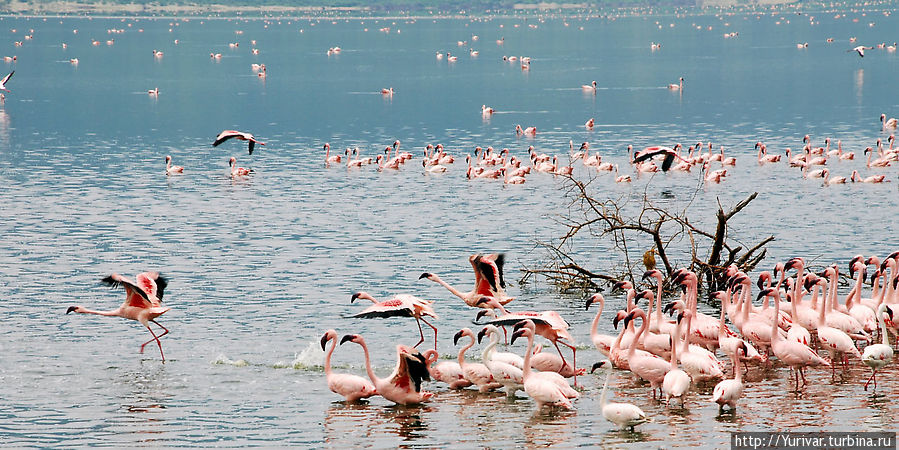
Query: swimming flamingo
pixel 228 134
pixel 677 87
pixel 486 110
pixel 170 169
pixel 328 158
pixel 154 92
pixel 403 386
pixel 589 124
pixel 387 91
pixel 143 302
pixel 401 305
pixel 877 356
pixel 885 124
pixel 872 179
pixel 529 131
pixel 546 388
pixel 237 171
pixel 449 372
pixel 625 415
pixel 351 387
pixel 589 87
pixel 514 179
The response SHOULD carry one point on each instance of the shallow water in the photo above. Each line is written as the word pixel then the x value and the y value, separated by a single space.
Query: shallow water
pixel 259 268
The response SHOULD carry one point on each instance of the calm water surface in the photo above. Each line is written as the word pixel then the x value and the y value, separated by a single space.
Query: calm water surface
pixel 261 267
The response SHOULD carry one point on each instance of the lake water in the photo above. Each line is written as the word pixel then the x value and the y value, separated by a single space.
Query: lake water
pixel 260 267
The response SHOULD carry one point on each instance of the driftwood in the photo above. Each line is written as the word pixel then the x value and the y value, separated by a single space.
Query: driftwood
pixel 667 230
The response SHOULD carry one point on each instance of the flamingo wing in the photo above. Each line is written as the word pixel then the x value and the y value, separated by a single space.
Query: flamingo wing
pixel 513 318
pixel 6 78
pixel 224 136
pixel 416 370
pixel 252 145
pixel 135 295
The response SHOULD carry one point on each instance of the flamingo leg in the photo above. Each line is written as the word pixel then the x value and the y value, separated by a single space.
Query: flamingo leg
pixel 872 377
pixel 156 338
pixel 433 328
pixel 574 358
pixel 422 333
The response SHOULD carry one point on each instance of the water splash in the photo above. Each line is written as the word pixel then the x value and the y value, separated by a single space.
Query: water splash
pixel 222 359
pixel 312 357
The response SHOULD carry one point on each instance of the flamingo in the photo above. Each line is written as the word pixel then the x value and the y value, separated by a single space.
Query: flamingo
pixel 449 372
pixel 352 387
pixel 728 392
pixel 885 124
pixel 477 373
pixel 677 87
pixel 154 92
pixel 513 179
pixel 401 305
pixel 489 282
pixel 436 168
pixel 676 382
pixel 872 179
pixel 589 87
pixel 504 357
pixel 794 354
pixel 240 135
pixel 6 78
pixel 328 158
pixel 170 169
pixel 602 342
pixel 877 356
pixel 590 123
pixel 486 110
pixel 529 131
pixel 860 50
pixel 387 91
pixel 835 341
pixel 143 302
pixel 548 324
pixel 546 388
pixel 237 171
pixel 645 365
pixel 625 415
pixel 403 386
pixel 504 373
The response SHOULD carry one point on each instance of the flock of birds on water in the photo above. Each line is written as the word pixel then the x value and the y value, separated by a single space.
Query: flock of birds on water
pixel 802 323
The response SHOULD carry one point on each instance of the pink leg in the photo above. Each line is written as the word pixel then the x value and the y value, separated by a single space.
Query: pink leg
pixel 156 338
pixel 574 358
pixel 422 333
pixel 433 328
pixel 869 380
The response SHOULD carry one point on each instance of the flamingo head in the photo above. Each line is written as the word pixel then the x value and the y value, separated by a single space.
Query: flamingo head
pixel 795 263
pixel 351 338
pixel 73 308
pixel 330 334
pixel 764 293
pixel 482 313
pixel 651 273
pixel 599 365
pixel 458 335
pixel 362 295
pixel 232 161
pixel 426 275
pixel 889 311
pixel 717 295
pixel 524 328
pixel 883 117
pixel 595 298
pixel 619 316
pixel 622 285
pixel 646 293
pixel 669 308
pixel 168 158
pixel 327 146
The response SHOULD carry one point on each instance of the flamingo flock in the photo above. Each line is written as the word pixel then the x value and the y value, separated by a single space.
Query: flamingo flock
pixel 677 357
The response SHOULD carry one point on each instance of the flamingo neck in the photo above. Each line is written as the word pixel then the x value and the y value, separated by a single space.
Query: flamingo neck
pixel 371 373
pixel 674 341
pixel 111 313
pixel 883 325
pixel 821 312
pixel 602 397
pixel 452 290
pixel 659 300
pixel 462 352
pixel 526 371
pixel 328 357
pixel 738 374
pixel 594 326
pixel 686 344
pixel 774 333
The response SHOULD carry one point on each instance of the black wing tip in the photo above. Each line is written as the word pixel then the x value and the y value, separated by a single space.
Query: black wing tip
pixel 161 283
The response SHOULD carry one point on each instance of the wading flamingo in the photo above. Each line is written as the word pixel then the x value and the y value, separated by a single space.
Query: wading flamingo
pixel 449 372
pixel 401 305
pixel 403 386
pixel 143 302
pixel 676 382
pixel 237 171
pixel 728 392
pixel 625 415
pixel 352 387
pixel 228 134
pixel 877 356
pixel 546 388
pixel 477 373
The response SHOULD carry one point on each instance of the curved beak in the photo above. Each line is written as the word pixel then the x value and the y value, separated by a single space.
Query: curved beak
pixel 764 293
pixel 71 308
pixel 668 308
pixel 324 341
pixel 346 338
pixel 481 334
pixel 597 366
pixel 517 334
pixel 481 314
pixel 456 337
pixel 354 297
pixel 424 275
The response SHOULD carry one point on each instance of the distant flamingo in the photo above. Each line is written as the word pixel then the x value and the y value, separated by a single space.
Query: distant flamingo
pixel 885 124
pixel 625 415
pixel 170 169
pixel 877 356
pixel 403 386
pixel 546 388
pixel 351 387
pixel 589 124
pixel 154 92
pixel 237 171
pixel 589 87
pixel 529 131
pixel 328 158
pixel 677 87
pixel 486 110
pixel 228 134
pixel 860 50
pixel 401 305
pixel 143 302
pixel 872 179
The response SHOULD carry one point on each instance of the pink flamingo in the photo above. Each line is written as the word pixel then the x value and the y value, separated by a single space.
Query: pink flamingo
pixel 401 305
pixel 589 87
pixel 590 123
pixel 550 325
pixel 677 87
pixel 403 386
pixel 237 171
pixel 143 303
pixel 872 179
pixel 888 124
pixel 764 157
pixel 449 372
pixel 676 382
pixel 529 131
pixel 602 342
pixel 477 373
pixel 877 356
pixel 486 110
pixel 792 353
pixel 328 158
pixel 625 415
pixel 170 169
pixel 546 388
pixel 645 365
pixel 835 341
pixel 352 387
pixel 489 282
pixel 239 135
pixel 728 392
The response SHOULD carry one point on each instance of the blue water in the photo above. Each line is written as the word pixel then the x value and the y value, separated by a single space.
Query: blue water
pixel 260 267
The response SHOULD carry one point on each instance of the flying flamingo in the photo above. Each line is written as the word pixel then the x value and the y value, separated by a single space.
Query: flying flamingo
pixel 477 373
pixel 170 169
pixel 228 134
pixel 877 356
pixel 143 302
pixel 403 386
pixel 328 158
pixel 489 282
pixel 6 78
pixel 237 171
pixel 401 305
pixel 351 387
pixel 625 415
pixel 546 388
pixel 860 50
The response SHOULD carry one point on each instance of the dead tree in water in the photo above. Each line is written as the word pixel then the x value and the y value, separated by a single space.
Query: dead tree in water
pixel 668 232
